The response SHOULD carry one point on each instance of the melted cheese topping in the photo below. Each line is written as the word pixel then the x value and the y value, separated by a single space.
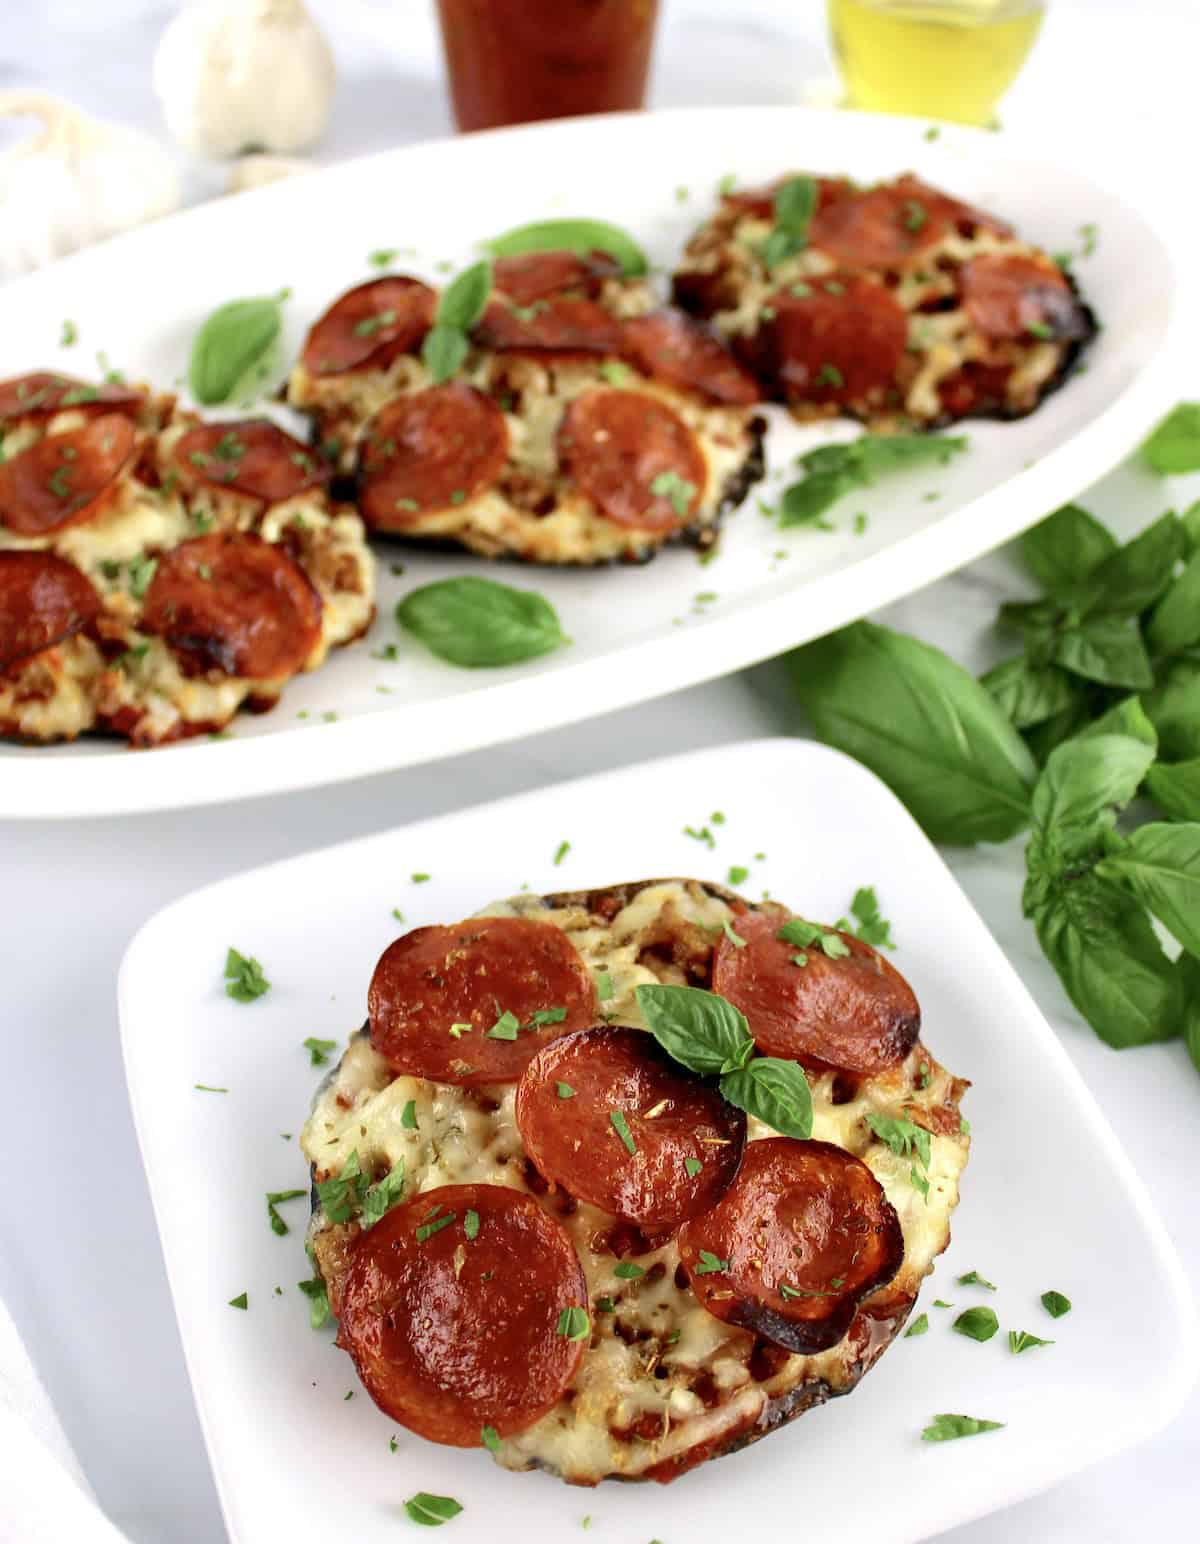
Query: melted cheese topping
pixel 660 1376
pixel 139 687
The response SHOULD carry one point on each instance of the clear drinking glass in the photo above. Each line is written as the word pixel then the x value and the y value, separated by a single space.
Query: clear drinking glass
pixel 950 59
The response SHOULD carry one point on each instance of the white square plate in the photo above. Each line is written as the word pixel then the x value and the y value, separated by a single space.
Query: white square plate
pixel 635 633
pixel 1049 1199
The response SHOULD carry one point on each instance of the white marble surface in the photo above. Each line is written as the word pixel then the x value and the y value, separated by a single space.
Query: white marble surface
pixel 79 1259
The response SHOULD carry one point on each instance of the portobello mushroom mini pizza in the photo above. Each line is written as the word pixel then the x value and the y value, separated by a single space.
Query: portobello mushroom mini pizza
pixel 895 303
pixel 617 1181
pixel 585 425
pixel 156 571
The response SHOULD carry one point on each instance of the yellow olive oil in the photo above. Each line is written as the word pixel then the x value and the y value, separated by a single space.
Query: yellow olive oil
pixel 953 59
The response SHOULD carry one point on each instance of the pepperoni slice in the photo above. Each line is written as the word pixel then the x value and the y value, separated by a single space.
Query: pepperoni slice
pixel 802 1235
pixel 367 327
pixel 65 479
pixel 855 1012
pixel 476 1001
pixel 1013 296
pixel 43 601
pixel 234 603
pixel 674 1122
pixel 532 276
pixel 892 224
pixel 634 457
pixel 430 450
pixel 44 393
pixel 558 324
pixel 451 1310
pixel 253 457
pixel 837 339
pixel 670 346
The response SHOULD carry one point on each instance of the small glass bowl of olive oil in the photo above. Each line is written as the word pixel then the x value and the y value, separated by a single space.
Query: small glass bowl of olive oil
pixel 951 59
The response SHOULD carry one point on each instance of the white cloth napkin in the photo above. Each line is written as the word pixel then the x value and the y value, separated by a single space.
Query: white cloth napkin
pixel 44 1497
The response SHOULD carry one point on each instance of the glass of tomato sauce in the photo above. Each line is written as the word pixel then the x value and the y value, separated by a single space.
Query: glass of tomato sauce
pixel 511 61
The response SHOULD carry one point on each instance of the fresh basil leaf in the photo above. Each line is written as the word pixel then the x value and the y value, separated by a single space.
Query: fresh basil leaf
pixel 463 301
pixel 774 1091
pixel 318 1301
pixel 1187 968
pixel 1160 865
pixel 480 624
pixel 977 1323
pixel 881 453
pixel 1132 578
pixel 576 235
pixel 235 343
pixel 1174 446
pixel 923 724
pixel 803 502
pixel 1082 786
pixel 1175 624
pixel 1029 694
pixel 904 1137
pixel 244 978
pixel 796 203
pixel 443 351
pixel 1126 717
pixel 1190 520
pixel 1065 547
pixel 1175 788
pixel 1173 707
pixel 779 246
pixel 1055 1304
pixel 919 1326
pixel 699 1029
pixel 1110 962
pixel 1107 649
pixel 431 1511
pixel 1044 738
pixel 945 1428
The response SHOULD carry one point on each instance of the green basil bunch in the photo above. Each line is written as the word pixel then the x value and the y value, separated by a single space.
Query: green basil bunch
pixel 1102 706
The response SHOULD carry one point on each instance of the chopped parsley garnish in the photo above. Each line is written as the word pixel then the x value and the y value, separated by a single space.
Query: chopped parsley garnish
pixel 605 1305
pixel 621 1126
pixel 341 1195
pixel 207 1088
pixel 541 1016
pixel 727 183
pixel 574 1324
pixel 392 1444
pixel 69 335
pixel 431 1511
pixel 932 132
pixel 871 928
pixel 919 1326
pixel 939 1302
pixel 945 1428
pixel 434 1225
pixel 628 1271
pixel 383 257
pixel 692 1166
pixel 977 1323
pixel 420 879
pixel 560 852
pixel 1040 329
pixel 242 1300
pixel 737 874
pixel 1089 234
pixel 974 1279
pixel 565 1091
pixel 709 1263
pixel 605 990
pixel 506 1027
pixel 370 325
pixel 59 482
pixel 318 1050
pixel 805 934
pixel 1022 1340
pixel 735 939
pixel 1055 1304
pixel 677 490
pixel 274 1198
pixel 318 1301
pixel 382 1196
pixel 907 1140
pixel 915 215
pixel 923 1075
pixel 460 1028
pixel 397 914
pixel 490 1438
pixel 471 1224
pixel 408 1116
pixel 615 373
pixel 829 375
pixel 141 571
pixel 703 834
pixel 244 979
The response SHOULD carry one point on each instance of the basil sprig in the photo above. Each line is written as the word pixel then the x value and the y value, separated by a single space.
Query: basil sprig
pixel 708 1035
pixel 832 471
pixel 1102 706
pixel 461 305
pixel 795 205
pixel 235 348
pixel 479 623
pixel 573 235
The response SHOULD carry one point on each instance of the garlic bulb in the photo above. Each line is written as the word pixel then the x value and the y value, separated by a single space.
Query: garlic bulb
pixel 236 75
pixel 77 181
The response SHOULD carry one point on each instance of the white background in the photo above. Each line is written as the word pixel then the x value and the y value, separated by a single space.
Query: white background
pixel 79 1261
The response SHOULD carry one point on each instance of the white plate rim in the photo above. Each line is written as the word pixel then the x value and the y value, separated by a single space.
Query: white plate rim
pixel 1179 1377
pixel 195 773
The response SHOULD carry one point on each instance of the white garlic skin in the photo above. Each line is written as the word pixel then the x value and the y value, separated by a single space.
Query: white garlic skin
pixel 239 75
pixel 77 181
